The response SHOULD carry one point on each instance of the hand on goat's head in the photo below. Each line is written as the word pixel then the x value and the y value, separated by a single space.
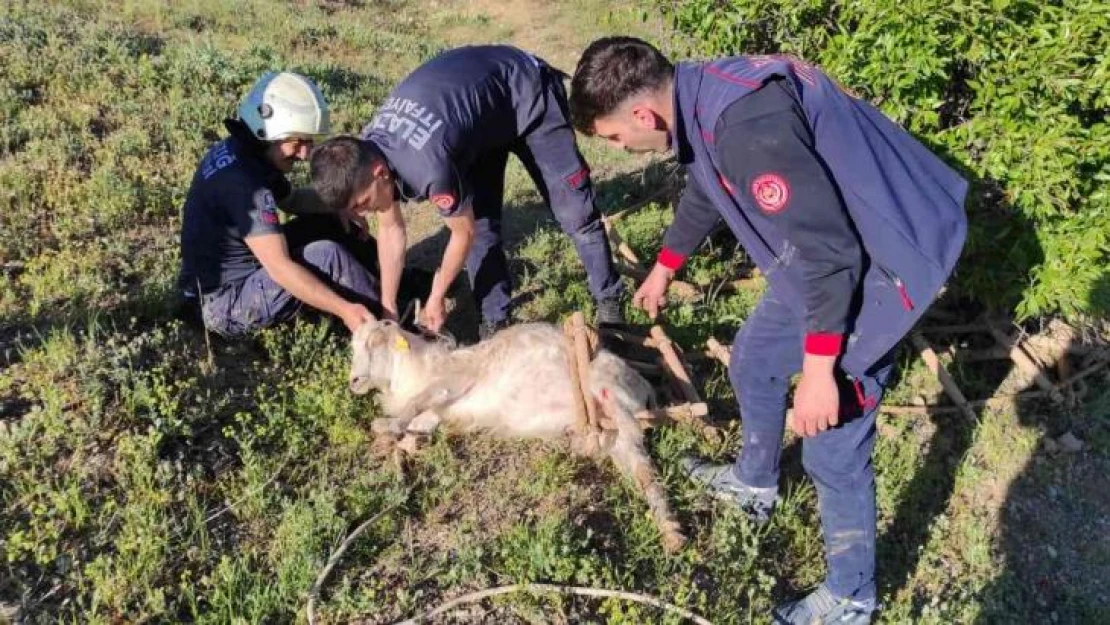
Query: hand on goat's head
pixel 374 346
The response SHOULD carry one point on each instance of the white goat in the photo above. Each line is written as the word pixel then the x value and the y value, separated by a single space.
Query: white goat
pixel 515 384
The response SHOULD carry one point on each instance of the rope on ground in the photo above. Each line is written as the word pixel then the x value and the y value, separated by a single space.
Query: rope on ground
pixel 314 592
pixel 566 590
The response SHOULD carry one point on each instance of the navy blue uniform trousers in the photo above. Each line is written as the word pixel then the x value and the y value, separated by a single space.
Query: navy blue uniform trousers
pixel 766 353
pixel 551 157
pixel 318 242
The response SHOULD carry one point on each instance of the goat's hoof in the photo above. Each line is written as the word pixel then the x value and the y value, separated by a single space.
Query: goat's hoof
pixel 386 426
pixel 384 445
pixel 673 541
pixel 410 444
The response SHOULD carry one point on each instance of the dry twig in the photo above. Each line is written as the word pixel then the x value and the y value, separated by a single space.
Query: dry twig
pixel 314 592
pixel 566 590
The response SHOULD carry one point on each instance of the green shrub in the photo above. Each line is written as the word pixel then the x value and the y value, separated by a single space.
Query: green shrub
pixel 1014 93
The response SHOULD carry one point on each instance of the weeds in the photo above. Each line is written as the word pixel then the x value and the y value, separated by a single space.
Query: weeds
pixel 146 476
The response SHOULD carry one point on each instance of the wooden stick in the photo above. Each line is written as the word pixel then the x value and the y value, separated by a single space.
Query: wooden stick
pixel 580 408
pixel 1025 362
pixel 677 412
pixel 566 590
pixel 1089 371
pixel 997 399
pixel 673 362
pixel 950 388
pixel 978 355
pixel 714 349
pixel 678 288
pixel 583 358
pixel 618 244
pixel 314 592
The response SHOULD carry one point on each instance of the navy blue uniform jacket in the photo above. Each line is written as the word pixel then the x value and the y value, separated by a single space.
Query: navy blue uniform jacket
pixel 854 223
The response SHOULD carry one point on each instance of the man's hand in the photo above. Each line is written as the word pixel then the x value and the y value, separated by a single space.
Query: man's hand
pixel 817 399
pixel 652 294
pixel 390 314
pixel 434 313
pixel 354 315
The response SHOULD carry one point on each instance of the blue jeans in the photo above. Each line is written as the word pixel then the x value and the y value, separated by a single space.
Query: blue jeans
pixel 766 353
pixel 551 157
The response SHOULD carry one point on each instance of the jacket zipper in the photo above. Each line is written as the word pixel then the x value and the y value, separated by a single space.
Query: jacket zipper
pixel 903 293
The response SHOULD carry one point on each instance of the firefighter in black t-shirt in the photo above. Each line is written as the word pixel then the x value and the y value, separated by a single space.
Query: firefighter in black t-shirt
pixel 246 269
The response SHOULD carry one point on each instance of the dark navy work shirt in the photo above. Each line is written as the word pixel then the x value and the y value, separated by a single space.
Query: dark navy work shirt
pixel 448 112
pixel 232 198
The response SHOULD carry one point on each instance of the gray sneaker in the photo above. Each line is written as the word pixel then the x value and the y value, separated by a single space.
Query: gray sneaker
pixel 721 482
pixel 821 607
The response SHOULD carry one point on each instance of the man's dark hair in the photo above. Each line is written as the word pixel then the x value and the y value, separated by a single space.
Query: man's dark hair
pixel 340 166
pixel 611 70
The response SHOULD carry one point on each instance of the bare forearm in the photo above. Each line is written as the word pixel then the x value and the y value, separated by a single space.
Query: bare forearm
pixel 391 261
pixel 306 287
pixel 454 259
pixel 817 365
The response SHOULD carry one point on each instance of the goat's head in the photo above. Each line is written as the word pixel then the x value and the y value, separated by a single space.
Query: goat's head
pixel 375 347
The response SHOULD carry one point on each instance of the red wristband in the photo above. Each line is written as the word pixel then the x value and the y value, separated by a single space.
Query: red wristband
pixel 671 259
pixel 824 344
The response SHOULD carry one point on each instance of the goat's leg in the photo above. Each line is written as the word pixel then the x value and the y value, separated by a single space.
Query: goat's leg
pixel 439 393
pixel 425 423
pixel 391 426
pixel 632 459
pixel 418 431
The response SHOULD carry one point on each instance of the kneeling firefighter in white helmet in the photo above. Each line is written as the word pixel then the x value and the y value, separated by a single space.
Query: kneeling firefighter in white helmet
pixel 241 265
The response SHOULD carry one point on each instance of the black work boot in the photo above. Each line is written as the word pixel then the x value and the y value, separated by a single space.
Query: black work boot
pixel 609 313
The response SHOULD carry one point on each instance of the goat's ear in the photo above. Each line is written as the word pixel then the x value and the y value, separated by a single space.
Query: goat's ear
pixel 364 332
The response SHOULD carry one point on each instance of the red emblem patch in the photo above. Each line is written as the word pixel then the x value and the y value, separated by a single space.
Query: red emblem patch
pixel 576 179
pixel 445 201
pixel 771 192
pixel 270 217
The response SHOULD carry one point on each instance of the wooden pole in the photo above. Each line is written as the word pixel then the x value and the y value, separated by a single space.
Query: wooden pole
pixel 1025 362
pixel 674 364
pixel 950 388
pixel 583 357
pixel 720 352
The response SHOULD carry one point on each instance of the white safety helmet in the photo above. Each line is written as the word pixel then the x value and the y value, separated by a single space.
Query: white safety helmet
pixel 285 106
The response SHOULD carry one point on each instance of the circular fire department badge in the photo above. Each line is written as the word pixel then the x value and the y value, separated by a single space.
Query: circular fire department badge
pixel 771 192
pixel 444 201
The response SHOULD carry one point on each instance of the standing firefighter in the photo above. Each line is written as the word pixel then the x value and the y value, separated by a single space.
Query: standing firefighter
pixel 246 268
pixel 445 135
pixel 856 227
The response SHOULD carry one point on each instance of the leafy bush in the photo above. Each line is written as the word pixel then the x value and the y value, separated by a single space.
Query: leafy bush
pixel 1012 92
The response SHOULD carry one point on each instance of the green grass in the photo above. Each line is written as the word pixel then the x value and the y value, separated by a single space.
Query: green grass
pixel 145 476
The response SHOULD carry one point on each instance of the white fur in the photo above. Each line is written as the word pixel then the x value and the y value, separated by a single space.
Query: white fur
pixel 515 384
